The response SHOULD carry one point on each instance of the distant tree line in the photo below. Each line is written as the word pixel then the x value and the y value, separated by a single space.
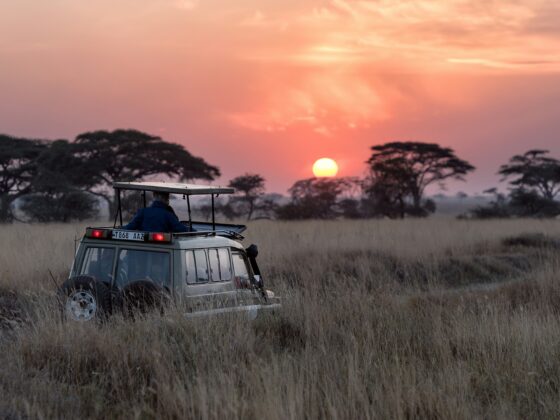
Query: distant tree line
pixel 398 175
pixel 65 180
pixel 62 180
pixel 534 180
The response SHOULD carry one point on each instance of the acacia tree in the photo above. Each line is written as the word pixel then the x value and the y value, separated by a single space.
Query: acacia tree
pixel 251 188
pixel 130 155
pixel 316 198
pixel 386 191
pixel 57 189
pixel 17 170
pixel 406 169
pixel 534 170
pixel 535 185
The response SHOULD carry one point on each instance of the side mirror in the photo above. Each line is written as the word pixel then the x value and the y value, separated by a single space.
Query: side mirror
pixel 252 251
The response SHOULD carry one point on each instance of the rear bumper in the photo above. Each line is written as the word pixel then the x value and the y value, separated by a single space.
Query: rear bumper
pixel 252 311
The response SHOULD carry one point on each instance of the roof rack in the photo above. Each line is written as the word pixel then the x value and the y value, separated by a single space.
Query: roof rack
pixel 220 232
pixel 173 188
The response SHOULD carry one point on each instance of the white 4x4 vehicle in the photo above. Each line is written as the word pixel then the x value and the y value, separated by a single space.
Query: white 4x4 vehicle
pixel 204 272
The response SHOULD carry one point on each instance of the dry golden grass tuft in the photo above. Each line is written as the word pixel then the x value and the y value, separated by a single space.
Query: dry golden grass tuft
pixel 381 319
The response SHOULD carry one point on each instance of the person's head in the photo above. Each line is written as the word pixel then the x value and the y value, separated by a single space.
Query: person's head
pixel 161 196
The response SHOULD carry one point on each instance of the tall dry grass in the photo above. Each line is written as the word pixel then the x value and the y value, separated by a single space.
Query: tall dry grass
pixel 381 319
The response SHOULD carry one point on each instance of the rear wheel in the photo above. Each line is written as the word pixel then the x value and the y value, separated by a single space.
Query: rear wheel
pixel 86 299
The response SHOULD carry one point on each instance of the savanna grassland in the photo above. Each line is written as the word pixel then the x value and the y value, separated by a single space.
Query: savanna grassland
pixel 381 319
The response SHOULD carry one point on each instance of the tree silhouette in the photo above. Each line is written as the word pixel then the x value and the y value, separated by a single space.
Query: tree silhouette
pixel 535 185
pixel 401 171
pixel 130 155
pixel 534 170
pixel 17 170
pixel 386 191
pixel 529 203
pixel 57 189
pixel 496 208
pixel 316 198
pixel 251 187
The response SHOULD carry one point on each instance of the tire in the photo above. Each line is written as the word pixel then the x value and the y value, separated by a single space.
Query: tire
pixel 85 299
pixel 143 296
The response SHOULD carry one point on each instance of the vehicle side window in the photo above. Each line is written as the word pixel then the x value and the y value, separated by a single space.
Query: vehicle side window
pixel 98 263
pixel 239 265
pixel 214 264
pixel 201 265
pixel 197 266
pixel 191 267
pixel 136 264
pixel 220 265
pixel 225 264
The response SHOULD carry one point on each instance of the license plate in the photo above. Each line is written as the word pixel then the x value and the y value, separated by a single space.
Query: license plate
pixel 126 235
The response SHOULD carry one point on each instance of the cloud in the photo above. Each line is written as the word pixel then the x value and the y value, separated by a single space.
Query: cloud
pixel 424 33
pixel 511 64
pixel 256 18
pixel 337 52
pixel 324 101
pixel 545 21
pixel 186 4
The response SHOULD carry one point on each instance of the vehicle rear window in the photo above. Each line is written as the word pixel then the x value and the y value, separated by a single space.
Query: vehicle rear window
pixel 197 266
pixel 98 263
pixel 136 264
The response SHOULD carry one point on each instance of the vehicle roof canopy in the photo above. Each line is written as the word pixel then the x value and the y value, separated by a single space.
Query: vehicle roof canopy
pixel 174 188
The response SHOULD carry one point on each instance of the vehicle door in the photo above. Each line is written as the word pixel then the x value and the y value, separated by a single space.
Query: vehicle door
pixel 243 278
pixel 141 264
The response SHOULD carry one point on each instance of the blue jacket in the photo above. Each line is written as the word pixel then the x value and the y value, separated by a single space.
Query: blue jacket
pixel 156 218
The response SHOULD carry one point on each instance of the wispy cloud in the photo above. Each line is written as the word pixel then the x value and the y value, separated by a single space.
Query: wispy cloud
pixel 337 46
pixel 416 31
pixel 187 4
pixel 322 101
pixel 512 64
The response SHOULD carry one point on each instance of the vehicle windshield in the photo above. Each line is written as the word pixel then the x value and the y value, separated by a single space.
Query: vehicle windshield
pixel 98 263
pixel 134 264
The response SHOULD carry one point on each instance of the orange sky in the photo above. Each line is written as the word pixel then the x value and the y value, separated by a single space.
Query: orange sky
pixel 269 87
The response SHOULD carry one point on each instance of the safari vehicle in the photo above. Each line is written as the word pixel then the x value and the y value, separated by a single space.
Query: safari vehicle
pixel 206 271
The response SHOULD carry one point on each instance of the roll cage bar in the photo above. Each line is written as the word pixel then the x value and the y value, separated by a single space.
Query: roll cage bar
pixel 186 190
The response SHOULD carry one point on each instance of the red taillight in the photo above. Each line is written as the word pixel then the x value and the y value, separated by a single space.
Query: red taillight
pixel 97 233
pixel 159 237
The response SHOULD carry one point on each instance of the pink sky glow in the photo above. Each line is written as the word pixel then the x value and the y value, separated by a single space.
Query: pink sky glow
pixel 270 86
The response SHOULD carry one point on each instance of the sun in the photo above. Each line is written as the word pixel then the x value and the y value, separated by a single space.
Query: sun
pixel 325 168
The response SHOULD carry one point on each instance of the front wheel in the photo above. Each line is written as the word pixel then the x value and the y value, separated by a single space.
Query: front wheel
pixel 86 299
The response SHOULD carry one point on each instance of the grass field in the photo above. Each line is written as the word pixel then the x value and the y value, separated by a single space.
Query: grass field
pixel 381 319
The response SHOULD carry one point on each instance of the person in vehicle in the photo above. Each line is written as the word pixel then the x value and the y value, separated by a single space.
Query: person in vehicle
pixel 159 217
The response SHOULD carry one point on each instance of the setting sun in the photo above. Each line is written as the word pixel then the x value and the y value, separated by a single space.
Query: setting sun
pixel 324 168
